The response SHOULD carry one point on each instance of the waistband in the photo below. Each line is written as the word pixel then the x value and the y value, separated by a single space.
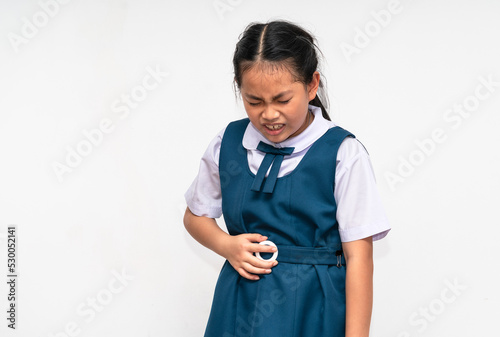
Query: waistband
pixel 311 255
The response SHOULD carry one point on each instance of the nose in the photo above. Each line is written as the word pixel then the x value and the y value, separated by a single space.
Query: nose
pixel 269 113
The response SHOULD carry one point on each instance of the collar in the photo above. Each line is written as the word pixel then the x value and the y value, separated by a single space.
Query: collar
pixel 315 130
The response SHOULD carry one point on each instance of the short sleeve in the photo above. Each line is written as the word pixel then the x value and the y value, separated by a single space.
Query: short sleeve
pixel 360 212
pixel 204 195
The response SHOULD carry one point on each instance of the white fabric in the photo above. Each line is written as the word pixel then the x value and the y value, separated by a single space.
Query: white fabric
pixel 359 209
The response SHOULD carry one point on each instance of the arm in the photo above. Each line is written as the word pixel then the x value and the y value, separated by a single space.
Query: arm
pixel 238 249
pixel 359 286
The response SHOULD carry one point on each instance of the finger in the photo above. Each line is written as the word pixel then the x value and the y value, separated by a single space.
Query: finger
pixel 255 237
pixel 247 275
pixel 251 259
pixel 263 264
pixel 255 270
pixel 262 238
pixel 263 248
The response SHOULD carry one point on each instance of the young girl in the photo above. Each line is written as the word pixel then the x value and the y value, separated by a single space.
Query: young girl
pixel 293 187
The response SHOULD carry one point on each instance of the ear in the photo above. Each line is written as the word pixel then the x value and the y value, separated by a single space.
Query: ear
pixel 312 87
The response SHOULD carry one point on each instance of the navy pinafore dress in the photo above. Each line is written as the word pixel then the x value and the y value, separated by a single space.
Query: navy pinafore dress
pixel 304 295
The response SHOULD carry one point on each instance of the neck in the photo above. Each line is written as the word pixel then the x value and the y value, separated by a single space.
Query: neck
pixel 310 117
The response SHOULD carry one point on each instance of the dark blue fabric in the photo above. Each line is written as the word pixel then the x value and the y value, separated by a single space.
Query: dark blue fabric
pixel 275 157
pixel 297 299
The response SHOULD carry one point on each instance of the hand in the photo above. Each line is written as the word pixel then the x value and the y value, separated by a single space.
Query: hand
pixel 239 249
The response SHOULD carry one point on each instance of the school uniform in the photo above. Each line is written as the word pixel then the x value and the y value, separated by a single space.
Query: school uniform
pixel 307 194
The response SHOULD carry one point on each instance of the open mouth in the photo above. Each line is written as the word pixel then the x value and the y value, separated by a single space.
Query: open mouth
pixel 274 127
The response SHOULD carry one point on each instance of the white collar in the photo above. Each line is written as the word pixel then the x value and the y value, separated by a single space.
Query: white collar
pixel 315 130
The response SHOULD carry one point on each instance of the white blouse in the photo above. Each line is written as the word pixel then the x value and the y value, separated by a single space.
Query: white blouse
pixel 359 208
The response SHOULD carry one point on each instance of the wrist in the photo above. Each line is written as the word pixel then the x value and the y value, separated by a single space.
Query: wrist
pixel 221 245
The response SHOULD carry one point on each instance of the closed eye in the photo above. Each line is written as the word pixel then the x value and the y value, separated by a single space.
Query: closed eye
pixel 284 102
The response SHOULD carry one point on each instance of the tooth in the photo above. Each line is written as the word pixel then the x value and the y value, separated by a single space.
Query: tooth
pixel 274 127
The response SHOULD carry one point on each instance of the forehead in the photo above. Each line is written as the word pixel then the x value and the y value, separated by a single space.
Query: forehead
pixel 268 77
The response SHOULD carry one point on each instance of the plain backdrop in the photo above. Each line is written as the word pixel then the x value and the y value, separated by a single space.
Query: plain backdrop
pixel 96 154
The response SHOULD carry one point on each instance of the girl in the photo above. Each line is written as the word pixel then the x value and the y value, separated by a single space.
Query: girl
pixel 293 187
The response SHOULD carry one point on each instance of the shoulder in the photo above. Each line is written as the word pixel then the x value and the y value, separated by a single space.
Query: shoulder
pixel 351 152
pixel 235 130
pixel 213 149
pixel 353 160
pixel 350 147
pixel 239 123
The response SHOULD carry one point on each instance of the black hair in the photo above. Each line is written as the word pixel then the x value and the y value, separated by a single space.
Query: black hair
pixel 280 44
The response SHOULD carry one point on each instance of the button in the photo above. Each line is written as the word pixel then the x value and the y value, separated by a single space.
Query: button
pixel 267 243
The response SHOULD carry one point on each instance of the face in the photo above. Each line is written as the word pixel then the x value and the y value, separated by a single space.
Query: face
pixel 276 104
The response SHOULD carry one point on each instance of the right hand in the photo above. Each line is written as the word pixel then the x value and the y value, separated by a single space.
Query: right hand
pixel 239 251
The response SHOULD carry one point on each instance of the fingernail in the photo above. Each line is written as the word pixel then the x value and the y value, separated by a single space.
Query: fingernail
pixel 268 270
pixel 275 263
pixel 274 249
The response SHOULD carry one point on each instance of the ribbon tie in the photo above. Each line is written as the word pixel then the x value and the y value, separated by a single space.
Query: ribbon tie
pixel 273 154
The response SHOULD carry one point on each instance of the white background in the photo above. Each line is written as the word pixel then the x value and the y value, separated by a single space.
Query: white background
pixel 120 209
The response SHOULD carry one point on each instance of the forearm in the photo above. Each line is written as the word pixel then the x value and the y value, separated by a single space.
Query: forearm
pixel 205 231
pixel 359 294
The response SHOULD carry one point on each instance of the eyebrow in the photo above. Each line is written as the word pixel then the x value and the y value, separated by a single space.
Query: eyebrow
pixel 274 98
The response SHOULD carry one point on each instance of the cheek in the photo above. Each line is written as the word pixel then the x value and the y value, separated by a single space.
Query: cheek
pixel 296 114
pixel 252 113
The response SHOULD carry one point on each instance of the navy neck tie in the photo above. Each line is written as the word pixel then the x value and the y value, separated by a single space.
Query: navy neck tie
pixel 273 154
